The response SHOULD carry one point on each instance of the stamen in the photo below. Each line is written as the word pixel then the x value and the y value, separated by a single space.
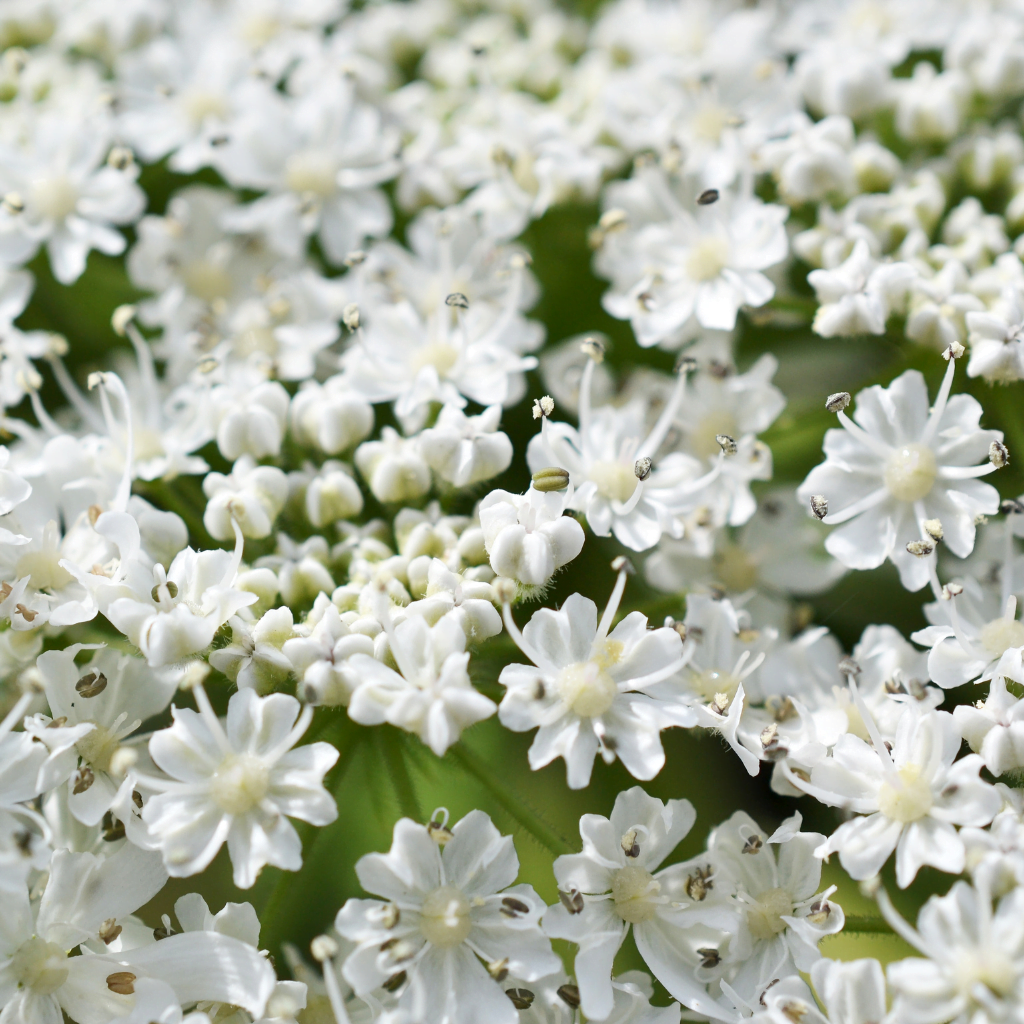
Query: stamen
pixel 624 568
pixel 876 737
pixel 324 948
pixel 940 405
pixel 520 641
pixel 213 723
pixel 898 923
pixel 654 439
pixel 865 503
pixel 870 442
pixel 16 713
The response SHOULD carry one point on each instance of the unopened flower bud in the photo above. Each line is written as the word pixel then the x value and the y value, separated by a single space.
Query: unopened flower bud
pixel 837 402
pixel 933 527
pixel 642 468
pixel 707 197
pixel 551 479
pixel 921 548
pixel 998 454
pixel 543 407
pixel 350 316
pixel 954 351
pixel 727 444
pixel 819 506
pixel 457 300
pixel 122 317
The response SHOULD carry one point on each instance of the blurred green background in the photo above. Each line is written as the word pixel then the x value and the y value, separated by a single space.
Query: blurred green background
pixel 383 773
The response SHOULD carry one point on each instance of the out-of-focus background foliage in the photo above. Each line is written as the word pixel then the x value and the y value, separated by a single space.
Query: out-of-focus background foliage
pixel 383 773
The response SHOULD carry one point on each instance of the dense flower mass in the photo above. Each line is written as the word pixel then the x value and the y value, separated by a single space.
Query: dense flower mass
pixel 307 508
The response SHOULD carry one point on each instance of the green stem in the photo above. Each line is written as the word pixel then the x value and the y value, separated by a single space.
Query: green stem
pixel 866 924
pixel 512 804
pixel 393 755
pixel 270 914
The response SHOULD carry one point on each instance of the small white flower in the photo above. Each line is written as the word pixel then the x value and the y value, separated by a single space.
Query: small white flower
pixel 898 466
pixel 466 450
pixel 594 690
pixel 254 657
pixel 615 883
pixel 527 537
pixel 782 917
pixel 907 801
pixel 332 494
pixel 994 728
pixel 930 105
pixel 393 467
pixel 431 694
pixel 996 338
pixel 858 296
pixel 330 416
pixel 250 495
pixel 939 306
pixel 301 569
pixel 236 782
pixel 443 912
pixel 250 420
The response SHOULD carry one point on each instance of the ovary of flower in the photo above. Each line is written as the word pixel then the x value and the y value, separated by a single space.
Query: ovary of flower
pixel 527 537
pixel 896 466
pixel 236 784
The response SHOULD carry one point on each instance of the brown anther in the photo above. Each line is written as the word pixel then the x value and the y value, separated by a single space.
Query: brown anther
pixel 819 506
pixel 998 454
pixel 92 684
pixel 26 613
pixel 498 969
pixel 511 907
pixel 709 956
pixel 571 900
pixel 109 931
pixel 753 844
pixel 699 884
pixel 95 511
pixel 522 998
pixel 630 847
pixel 707 197
pixel 395 982
pixel 121 982
pixel 84 778
pixel 570 995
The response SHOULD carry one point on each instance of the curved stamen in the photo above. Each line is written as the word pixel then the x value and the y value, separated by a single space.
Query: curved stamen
pixel 383 613
pixel 899 924
pixel 876 736
pixel 585 411
pixel 213 723
pixel 867 502
pixel 520 641
pixel 297 731
pixel 940 404
pixel 826 796
pixel 654 439
pixel 16 713
pixel 74 395
pixel 965 472
pixel 612 606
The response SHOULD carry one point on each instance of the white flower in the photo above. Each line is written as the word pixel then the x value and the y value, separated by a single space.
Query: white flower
pixel 900 465
pixel 443 912
pixel 611 484
pixel 939 306
pixel 970 968
pixel 250 420
pixel 994 728
pixel 332 494
pixel 995 337
pixel 431 695
pixel 250 495
pixel 330 416
pixel 615 883
pixel 466 450
pixel 858 296
pixel 321 659
pixel 301 569
pixel 594 689
pixel 470 602
pixel 930 105
pixel 783 917
pixel 71 197
pixel 255 657
pixel 671 261
pixel 907 801
pixel 813 161
pixel 975 635
pixel 236 782
pixel 393 467
pixel 850 992
pixel 526 535
pixel 113 692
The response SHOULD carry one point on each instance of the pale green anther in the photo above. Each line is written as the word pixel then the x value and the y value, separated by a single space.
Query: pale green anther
pixel 551 479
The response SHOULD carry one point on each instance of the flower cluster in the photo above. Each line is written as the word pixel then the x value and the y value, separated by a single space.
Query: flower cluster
pixel 324 467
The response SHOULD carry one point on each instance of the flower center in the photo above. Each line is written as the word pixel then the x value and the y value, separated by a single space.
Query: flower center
pixel 40 965
pixel 239 784
pixel 909 803
pixel 255 339
pixel 43 569
pixel 200 104
pixel 311 171
pixel 633 892
pixel 1000 635
pixel 438 354
pixel 444 917
pixel 206 280
pixel 710 121
pixel 988 967
pixel 98 747
pixel 734 568
pixel 615 480
pixel 764 917
pixel 55 198
pixel 707 258
pixel 710 682
pixel 587 688
pixel 702 441
pixel 910 472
